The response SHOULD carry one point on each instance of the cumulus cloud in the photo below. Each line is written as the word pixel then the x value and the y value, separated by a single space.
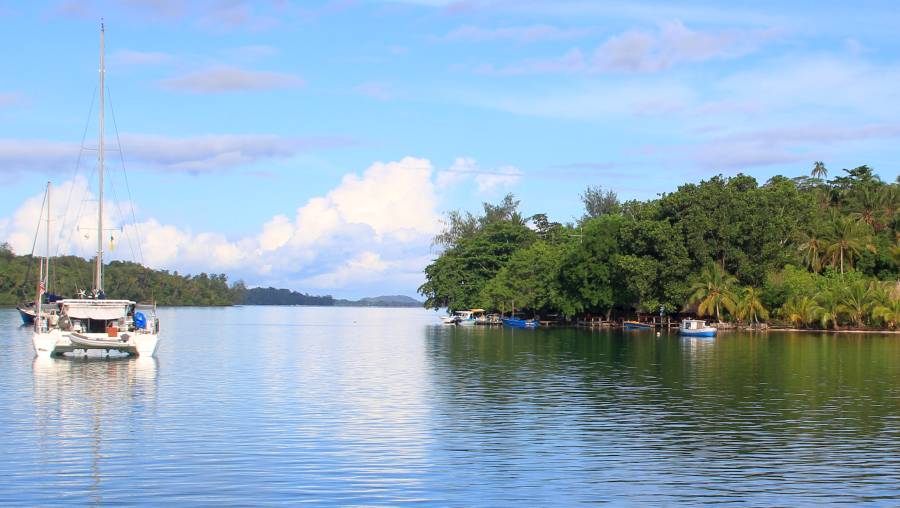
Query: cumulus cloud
pixel 372 228
pixel 73 225
pixel 364 267
pixel 192 154
pixel 226 78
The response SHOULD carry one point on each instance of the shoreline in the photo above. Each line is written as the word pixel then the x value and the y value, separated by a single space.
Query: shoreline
pixel 855 331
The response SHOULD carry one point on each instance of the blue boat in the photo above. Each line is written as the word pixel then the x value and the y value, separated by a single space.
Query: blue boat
pixel 696 328
pixel 637 325
pixel 520 323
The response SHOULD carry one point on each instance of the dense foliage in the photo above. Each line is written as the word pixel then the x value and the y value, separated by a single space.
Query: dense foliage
pixel 730 248
pixel 272 296
pixel 69 274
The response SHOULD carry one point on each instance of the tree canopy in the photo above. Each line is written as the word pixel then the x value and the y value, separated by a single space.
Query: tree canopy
pixel 728 247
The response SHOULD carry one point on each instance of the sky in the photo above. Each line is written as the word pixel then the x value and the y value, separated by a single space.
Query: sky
pixel 316 145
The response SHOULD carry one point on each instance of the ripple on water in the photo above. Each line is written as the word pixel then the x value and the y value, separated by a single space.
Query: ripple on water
pixel 383 407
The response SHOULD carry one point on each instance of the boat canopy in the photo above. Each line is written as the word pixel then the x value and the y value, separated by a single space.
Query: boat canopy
pixel 693 324
pixel 95 309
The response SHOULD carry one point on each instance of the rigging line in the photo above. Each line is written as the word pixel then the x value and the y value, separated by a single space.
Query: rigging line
pixel 37 232
pixel 87 124
pixel 125 173
pixel 80 208
pixel 118 206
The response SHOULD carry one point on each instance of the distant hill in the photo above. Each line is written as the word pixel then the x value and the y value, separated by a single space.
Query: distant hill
pixel 273 296
pixel 381 301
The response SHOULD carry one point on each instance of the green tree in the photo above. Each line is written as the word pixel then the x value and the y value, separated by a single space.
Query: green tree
pixel 749 306
pixel 529 280
pixel 712 291
pixel 829 303
pixel 857 301
pixel 845 241
pixel 819 171
pixel 811 249
pixel 801 311
pixel 597 202
pixel 587 272
pixel 888 311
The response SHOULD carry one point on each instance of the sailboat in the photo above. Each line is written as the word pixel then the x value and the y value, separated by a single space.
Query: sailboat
pixel 28 309
pixel 93 322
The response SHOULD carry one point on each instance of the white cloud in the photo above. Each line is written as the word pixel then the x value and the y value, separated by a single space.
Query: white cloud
pixel 192 154
pixel 466 168
pixel 372 228
pixel 365 267
pixel 10 99
pixel 520 34
pixel 780 145
pixel 645 51
pixel 226 78
pixel 602 99
pixel 131 57
pixel 375 90
pixel 505 176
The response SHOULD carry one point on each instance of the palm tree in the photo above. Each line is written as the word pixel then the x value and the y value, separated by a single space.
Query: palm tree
pixel 889 312
pixel 845 240
pixel 749 306
pixel 819 170
pixel 713 291
pixel 857 300
pixel 811 249
pixel 830 304
pixel 869 206
pixel 890 203
pixel 895 251
pixel 801 310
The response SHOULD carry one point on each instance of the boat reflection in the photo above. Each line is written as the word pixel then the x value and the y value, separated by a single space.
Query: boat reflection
pixel 59 379
pixel 86 403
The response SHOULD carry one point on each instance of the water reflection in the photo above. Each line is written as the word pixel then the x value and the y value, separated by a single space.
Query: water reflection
pixel 658 418
pixel 92 407
pixel 279 406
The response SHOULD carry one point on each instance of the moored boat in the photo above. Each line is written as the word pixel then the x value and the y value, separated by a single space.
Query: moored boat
pixel 27 309
pixel 637 325
pixel 520 323
pixel 696 328
pixel 92 321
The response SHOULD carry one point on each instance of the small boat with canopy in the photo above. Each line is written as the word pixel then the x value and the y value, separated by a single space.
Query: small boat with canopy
pixel 696 328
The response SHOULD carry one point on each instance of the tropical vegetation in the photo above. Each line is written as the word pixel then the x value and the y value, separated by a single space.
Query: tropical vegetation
pixel 805 251
pixel 70 274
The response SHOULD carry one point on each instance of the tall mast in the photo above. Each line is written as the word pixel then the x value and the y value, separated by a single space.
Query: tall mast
pixel 98 270
pixel 41 284
pixel 47 257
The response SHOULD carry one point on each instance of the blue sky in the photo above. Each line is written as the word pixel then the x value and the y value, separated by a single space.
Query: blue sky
pixel 315 145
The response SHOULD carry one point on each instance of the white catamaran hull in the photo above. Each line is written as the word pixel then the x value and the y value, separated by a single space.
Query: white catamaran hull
pixel 57 342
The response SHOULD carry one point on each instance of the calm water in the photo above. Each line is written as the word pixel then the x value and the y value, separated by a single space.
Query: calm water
pixel 257 405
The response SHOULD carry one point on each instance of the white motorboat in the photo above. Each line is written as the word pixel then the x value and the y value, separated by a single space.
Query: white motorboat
pixel 465 317
pixel 92 321
pixel 696 328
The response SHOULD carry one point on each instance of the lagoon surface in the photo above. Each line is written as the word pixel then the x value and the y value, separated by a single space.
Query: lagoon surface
pixel 343 406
